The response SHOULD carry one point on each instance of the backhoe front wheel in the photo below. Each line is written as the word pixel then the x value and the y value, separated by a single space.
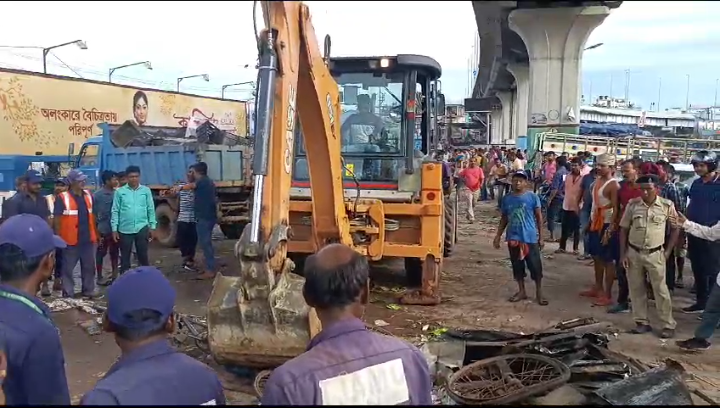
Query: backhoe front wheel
pixel 450 228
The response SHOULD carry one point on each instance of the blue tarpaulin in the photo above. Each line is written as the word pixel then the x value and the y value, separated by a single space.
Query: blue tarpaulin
pixel 609 129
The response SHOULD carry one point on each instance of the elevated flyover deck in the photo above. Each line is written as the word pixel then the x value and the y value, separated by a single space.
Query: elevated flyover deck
pixel 529 61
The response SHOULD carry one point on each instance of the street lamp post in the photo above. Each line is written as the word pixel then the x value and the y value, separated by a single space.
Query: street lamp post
pixel 46 51
pixel 222 90
pixel 715 102
pixel 687 93
pixel 205 77
pixel 112 70
pixel 627 87
pixel 659 90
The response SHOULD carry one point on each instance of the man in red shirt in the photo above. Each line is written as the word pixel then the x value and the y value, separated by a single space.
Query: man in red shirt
pixel 473 177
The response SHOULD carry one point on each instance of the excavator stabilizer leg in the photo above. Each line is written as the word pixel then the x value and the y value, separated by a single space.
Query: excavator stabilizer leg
pixel 429 293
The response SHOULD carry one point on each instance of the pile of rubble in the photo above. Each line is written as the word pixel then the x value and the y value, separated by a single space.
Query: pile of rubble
pixel 567 364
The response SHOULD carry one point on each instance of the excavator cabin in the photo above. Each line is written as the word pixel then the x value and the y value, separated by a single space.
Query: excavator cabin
pixel 390 108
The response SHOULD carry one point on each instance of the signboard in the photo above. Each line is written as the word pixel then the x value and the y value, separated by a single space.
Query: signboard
pixel 44 113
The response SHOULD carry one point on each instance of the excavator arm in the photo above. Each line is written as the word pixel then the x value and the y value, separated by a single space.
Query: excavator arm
pixel 263 309
pixel 295 83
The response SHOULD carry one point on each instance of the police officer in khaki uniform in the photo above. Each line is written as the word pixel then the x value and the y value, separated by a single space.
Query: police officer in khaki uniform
pixel 642 243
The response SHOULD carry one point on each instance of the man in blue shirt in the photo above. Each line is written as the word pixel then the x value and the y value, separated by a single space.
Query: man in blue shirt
pixel 35 360
pixel 704 210
pixel 347 364
pixel 205 206
pixel 522 216
pixel 29 201
pixel 557 194
pixel 149 371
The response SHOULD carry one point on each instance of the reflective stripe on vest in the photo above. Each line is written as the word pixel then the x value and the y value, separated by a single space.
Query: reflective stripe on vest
pixel 66 200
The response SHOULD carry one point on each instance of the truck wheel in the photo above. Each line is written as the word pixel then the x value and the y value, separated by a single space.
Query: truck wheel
pixel 166 230
pixel 450 229
pixel 232 231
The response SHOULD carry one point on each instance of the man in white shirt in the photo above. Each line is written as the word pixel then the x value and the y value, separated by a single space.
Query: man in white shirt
pixel 515 162
pixel 711 315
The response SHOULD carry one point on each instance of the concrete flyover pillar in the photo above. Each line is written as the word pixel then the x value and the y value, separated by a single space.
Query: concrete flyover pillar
pixel 521 72
pixel 555 38
pixel 506 135
pixel 496 125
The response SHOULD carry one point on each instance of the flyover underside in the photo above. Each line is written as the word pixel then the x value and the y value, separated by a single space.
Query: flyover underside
pixel 537 90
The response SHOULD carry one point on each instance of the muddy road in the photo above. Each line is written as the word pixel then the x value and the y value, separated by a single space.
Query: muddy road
pixel 476 284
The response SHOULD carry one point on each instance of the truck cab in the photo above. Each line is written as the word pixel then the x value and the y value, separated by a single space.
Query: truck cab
pixel 390 110
pixel 88 161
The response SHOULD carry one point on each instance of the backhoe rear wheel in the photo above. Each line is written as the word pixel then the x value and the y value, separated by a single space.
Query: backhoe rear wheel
pixel 450 229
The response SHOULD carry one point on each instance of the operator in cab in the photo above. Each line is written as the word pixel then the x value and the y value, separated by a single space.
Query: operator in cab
pixel 347 364
pixel 362 126
pixel 149 371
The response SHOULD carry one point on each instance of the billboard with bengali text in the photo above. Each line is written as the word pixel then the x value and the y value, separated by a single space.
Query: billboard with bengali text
pixel 44 113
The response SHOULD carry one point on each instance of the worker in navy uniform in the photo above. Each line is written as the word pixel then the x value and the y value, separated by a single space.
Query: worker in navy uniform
pixel 347 364
pixel 149 371
pixel 36 365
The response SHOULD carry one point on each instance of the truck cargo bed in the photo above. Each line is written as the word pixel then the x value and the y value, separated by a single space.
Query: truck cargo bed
pixel 167 165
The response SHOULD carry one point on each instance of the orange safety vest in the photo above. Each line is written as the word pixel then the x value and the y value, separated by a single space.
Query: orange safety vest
pixel 69 219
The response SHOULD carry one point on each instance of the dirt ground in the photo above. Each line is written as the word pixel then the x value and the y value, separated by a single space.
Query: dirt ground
pixel 476 284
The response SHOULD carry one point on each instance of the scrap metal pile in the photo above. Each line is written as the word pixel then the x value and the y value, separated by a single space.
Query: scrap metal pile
pixel 131 135
pixel 567 364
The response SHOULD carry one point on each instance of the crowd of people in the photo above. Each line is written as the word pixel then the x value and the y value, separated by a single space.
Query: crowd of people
pixel 117 221
pixel 43 238
pixel 633 232
pixel 150 371
pixel 636 231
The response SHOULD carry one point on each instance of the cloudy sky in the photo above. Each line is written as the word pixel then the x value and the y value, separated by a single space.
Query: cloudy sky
pixel 653 40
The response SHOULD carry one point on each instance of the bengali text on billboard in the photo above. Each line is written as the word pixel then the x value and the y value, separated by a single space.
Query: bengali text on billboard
pixel 41 113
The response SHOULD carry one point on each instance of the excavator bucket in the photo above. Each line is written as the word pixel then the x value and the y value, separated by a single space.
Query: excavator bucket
pixel 258 320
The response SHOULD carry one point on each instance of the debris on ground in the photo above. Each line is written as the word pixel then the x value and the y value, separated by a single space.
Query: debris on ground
pixel 191 336
pixel 92 327
pixel 566 364
pixel 63 304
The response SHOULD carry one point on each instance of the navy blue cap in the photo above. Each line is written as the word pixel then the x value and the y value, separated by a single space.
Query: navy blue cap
pixel 76 175
pixel 33 176
pixel 144 287
pixel 31 234
pixel 61 180
pixel 520 173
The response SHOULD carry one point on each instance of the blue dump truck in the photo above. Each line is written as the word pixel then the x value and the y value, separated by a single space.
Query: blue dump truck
pixel 164 155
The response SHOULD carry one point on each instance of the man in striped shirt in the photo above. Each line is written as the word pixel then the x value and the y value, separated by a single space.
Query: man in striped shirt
pixel 186 232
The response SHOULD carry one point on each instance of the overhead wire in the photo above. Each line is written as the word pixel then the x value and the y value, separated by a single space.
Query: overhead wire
pixel 66 65
pixel 97 74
